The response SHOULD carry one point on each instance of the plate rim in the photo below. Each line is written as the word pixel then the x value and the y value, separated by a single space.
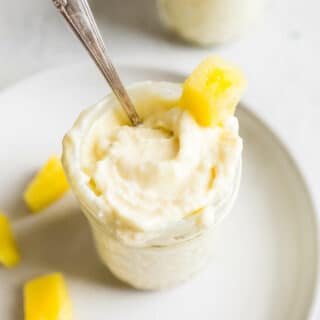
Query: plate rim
pixel 314 305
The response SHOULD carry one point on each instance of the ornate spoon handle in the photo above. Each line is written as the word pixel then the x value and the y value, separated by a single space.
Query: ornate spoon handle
pixel 79 16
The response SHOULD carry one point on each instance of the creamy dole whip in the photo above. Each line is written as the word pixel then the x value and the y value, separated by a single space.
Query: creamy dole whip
pixel 153 193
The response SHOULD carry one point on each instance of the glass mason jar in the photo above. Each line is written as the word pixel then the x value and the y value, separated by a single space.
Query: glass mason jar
pixel 163 262
pixel 209 21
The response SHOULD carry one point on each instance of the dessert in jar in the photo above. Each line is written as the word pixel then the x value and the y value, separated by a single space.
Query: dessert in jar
pixel 210 21
pixel 154 193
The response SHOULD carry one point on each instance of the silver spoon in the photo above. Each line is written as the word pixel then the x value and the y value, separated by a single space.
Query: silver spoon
pixel 79 16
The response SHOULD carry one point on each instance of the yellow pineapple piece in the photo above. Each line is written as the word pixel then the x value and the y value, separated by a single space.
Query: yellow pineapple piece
pixel 212 91
pixel 47 298
pixel 48 186
pixel 9 253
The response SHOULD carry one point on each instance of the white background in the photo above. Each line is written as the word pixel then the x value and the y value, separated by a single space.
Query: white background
pixel 281 57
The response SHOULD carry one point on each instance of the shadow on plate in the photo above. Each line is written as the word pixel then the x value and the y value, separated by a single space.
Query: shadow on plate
pixel 17 306
pixel 61 241
pixel 16 205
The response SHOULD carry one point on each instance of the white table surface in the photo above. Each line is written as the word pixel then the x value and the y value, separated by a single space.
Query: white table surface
pixel 281 57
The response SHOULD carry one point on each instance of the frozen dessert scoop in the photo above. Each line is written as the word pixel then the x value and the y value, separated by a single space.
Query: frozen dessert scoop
pixel 154 193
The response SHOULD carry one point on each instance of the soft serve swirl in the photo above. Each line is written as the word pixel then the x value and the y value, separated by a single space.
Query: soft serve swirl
pixel 156 176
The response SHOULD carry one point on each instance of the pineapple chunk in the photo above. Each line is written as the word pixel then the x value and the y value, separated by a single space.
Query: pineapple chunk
pixel 9 253
pixel 212 91
pixel 47 187
pixel 46 298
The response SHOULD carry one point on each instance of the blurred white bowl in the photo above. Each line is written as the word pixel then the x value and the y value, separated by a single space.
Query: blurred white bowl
pixel 209 21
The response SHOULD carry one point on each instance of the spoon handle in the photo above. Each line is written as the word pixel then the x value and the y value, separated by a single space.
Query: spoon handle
pixel 79 16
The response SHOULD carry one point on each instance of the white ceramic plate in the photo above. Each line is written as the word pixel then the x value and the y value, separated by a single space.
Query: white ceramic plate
pixel 265 263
